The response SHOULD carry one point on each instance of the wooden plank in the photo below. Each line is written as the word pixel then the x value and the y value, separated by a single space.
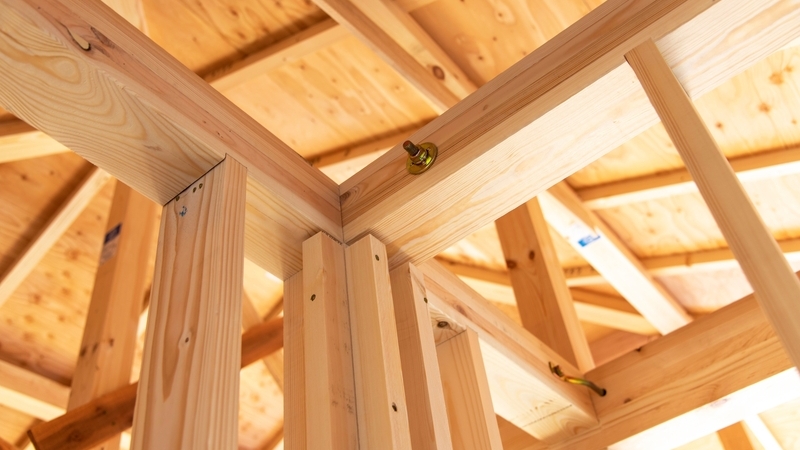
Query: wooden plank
pixel 600 246
pixel 427 413
pixel 389 31
pixel 58 223
pixel 616 344
pixel 109 337
pixel 761 433
pixel 157 127
pixel 306 42
pixel 761 166
pixel 380 397
pixel 188 394
pixel 734 437
pixel 19 141
pixel 524 392
pixel 112 413
pixel 330 394
pixel 735 346
pixel 766 269
pixel 469 403
pixel 573 97
pixel 543 298
pixel 31 393
pixel 294 399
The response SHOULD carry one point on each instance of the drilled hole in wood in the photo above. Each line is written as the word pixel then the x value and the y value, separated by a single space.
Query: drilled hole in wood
pixel 426 299
pixel 377 258
pixel 313 296
pixel 394 407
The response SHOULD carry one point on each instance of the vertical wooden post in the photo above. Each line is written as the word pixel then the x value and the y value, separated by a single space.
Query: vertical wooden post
pixel 427 413
pixel 330 404
pixel 776 287
pixel 109 337
pixel 473 425
pixel 294 387
pixel 188 394
pixel 382 410
pixel 543 298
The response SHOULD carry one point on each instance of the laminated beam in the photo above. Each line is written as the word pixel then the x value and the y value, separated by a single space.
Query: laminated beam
pixel 776 286
pixel 109 337
pixel 188 394
pixel 531 127
pixel 523 389
pixel 542 296
pixel 152 123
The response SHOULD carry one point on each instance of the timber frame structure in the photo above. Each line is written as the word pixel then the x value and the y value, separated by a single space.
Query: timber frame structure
pixel 384 345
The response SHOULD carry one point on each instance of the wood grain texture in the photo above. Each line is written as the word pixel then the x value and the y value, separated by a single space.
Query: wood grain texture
pixel 422 380
pixel 762 261
pixel 153 124
pixel 734 437
pixel 188 390
pixel 469 403
pixel 542 295
pixel 109 337
pixel 330 392
pixel 19 141
pixel 294 398
pixel 380 395
pixel 524 392
pixel 30 393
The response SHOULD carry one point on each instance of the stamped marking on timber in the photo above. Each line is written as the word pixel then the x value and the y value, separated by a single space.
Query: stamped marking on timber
pixel 183 211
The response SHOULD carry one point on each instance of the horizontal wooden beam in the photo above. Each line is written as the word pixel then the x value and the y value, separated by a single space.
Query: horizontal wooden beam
pixel 104 417
pixel 152 123
pixel 19 141
pixel 523 389
pixel 31 393
pixel 765 165
pixel 540 104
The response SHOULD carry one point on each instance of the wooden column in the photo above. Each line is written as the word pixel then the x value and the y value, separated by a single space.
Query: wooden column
pixel 469 404
pixel 294 397
pixel 188 394
pixel 382 410
pixel 543 298
pixel 109 337
pixel 330 404
pixel 427 413
pixel 776 287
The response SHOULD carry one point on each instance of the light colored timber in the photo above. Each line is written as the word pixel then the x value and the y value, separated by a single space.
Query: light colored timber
pixel 765 165
pixel 523 389
pixel 19 141
pixel 422 380
pixel 380 396
pixel 762 262
pixel 294 397
pixel 273 362
pixel 274 440
pixel 759 429
pixel 31 393
pixel 735 347
pixel 5 445
pixel 616 344
pixel 188 394
pixel 734 437
pixel 153 124
pixel 109 337
pixel 473 425
pixel 56 225
pixel 402 43
pixel 330 396
pixel 306 42
pixel 599 245
pixel 112 413
pixel 542 296
pixel 513 438
pixel 573 97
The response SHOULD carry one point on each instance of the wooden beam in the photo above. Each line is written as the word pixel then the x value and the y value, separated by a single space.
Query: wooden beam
pixel 19 141
pixel 380 396
pixel 157 127
pixel 274 362
pixel 31 393
pixel 188 392
pixel 523 389
pixel 734 437
pixel 306 42
pixel 5 445
pixel 764 436
pixel 109 337
pixel 766 269
pixel 112 413
pixel 422 380
pixel 481 172
pixel 513 438
pixel 51 232
pixel 734 346
pixel 764 165
pixel 473 425
pixel 599 245
pixel 543 298
pixel 294 397
pixel 617 344
pixel 330 396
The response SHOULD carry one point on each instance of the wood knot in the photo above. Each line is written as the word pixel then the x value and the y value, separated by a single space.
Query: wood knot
pixel 438 72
